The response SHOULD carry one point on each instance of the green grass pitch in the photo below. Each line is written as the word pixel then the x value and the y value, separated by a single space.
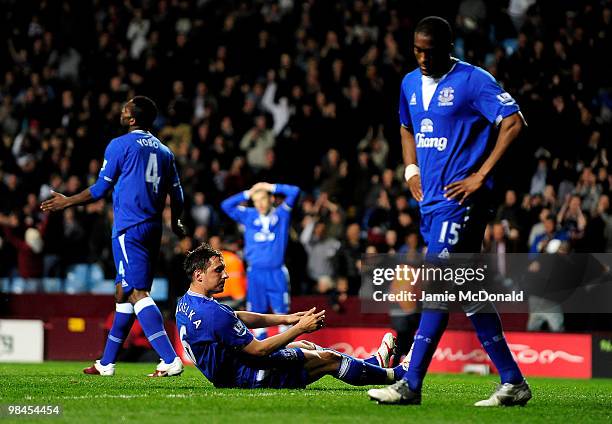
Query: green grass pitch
pixel 130 396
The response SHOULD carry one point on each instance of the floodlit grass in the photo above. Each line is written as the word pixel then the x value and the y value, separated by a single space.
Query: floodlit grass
pixel 130 396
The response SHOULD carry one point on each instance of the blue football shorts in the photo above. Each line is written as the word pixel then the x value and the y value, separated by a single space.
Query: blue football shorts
pixel 283 369
pixel 135 251
pixel 459 230
pixel 268 290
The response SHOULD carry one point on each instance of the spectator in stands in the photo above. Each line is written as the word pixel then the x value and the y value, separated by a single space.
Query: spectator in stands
pixel 202 213
pixel 597 230
pixel 321 250
pixel 256 143
pixel 570 216
pixel 510 210
pixel 550 233
pixel 348 258
pixel 538 228
pixel 29 250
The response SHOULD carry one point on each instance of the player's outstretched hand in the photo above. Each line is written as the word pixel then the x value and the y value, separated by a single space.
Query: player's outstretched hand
pixel 179 229
pixel 462 189
pixel 295 317
pixel 311 321
pixel 414 184
pixel 57 202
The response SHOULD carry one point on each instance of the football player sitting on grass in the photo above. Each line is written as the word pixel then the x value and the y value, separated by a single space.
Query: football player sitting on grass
pixel 216 339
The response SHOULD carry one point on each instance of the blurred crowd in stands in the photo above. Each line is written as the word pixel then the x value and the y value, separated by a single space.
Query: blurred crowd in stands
pixel 296 92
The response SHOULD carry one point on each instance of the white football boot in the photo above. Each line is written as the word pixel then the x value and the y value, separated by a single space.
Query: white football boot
pixel 98 369
pixel 508 395
pixel 174 368
pixel 398 393
pixel 386 350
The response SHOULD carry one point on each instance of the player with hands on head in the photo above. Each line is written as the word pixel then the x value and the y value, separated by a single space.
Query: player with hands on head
pixel 265 238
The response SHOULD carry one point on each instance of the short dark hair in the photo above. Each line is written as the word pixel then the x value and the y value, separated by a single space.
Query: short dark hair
pixel 437 28
pixel 144 111
pixel 199 258
pixel 551 217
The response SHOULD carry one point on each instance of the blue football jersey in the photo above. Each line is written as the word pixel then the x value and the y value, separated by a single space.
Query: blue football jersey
pixel 213 337
pixel 265 236
pixel 456 131
pixel 143 172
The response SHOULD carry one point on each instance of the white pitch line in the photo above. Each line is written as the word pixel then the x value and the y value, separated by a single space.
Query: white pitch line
pixel 181 395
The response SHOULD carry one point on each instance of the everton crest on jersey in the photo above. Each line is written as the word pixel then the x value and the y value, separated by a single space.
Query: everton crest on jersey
pixel 446 96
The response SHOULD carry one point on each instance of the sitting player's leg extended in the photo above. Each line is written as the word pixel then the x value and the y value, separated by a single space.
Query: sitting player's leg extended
pixel 303 362
pixel 354 371
pixel 346 368
pixel 382 357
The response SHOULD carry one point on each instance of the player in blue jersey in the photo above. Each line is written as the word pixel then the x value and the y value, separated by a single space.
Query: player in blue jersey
pixel 217 339
pixel 456 123
pixel 142 173
pixel 266 235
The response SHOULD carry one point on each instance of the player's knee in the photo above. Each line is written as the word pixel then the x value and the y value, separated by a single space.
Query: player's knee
pixel 137 295
pixel 302 344
pixel 330 357
pixel 308 345
pixel 119 295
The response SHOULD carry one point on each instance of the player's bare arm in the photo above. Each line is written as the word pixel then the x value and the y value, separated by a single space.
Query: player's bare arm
pixel 308 323
pixel 255 320
pixel 410 158
pixel 59 202
pixel 509 129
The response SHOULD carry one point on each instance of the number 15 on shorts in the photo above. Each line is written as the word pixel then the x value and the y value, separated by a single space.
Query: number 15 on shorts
pixel 449 233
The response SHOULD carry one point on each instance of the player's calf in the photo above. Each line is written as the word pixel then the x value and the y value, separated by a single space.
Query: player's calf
pixel 152 323
pixel 345 368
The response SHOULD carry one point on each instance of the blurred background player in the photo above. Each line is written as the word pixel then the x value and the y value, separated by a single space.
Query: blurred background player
pixel 142 172
pixel 448 112
pixel 266 235
pixel 216 339
pixel 234 292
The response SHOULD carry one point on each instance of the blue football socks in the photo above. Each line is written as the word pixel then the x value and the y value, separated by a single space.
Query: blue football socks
pixel 152 323
pixel 431 327
pixel 360 373
pixel 124 318
pixel 489 330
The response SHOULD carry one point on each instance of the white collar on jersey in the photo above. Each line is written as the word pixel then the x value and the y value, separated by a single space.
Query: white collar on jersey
pixel 141 132
pixel 192 293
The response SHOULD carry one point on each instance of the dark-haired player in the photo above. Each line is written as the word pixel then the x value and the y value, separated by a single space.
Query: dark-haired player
pixel 218 342
pixel 456 123
pixel 142 172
